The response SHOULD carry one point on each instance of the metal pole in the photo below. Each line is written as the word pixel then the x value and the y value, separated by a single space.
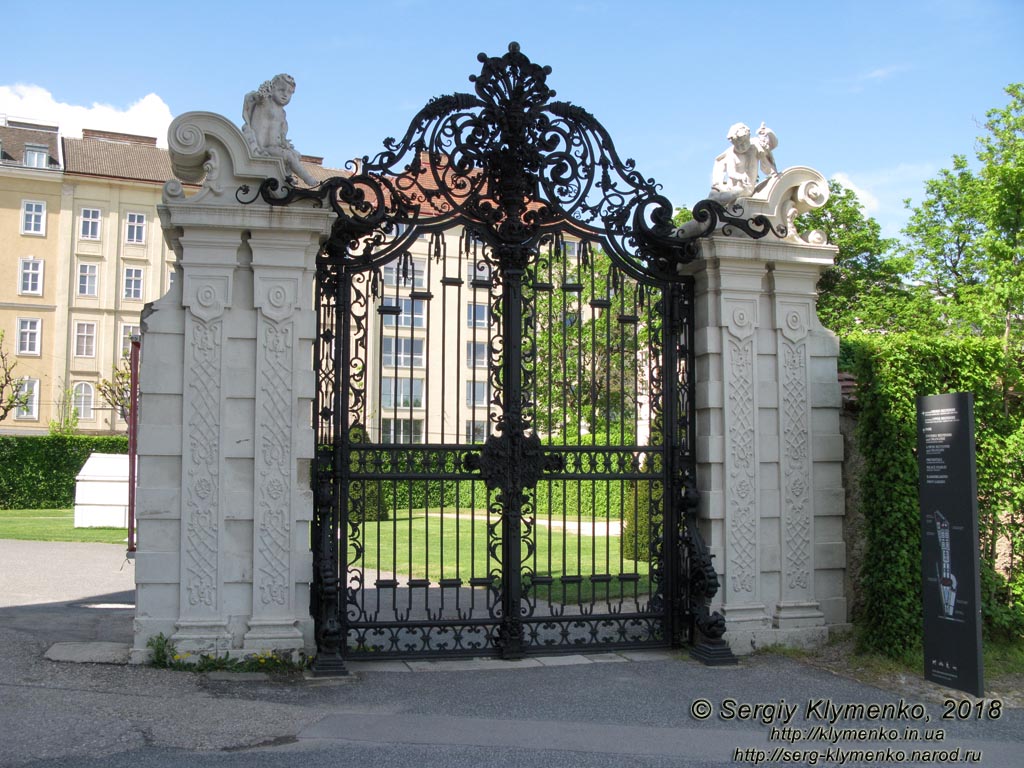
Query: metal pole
pixel 133 437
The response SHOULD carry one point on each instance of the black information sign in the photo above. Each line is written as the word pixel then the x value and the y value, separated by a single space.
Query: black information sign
pixel 949 541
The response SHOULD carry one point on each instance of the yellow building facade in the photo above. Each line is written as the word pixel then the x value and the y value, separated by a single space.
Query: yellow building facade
pixel 31 183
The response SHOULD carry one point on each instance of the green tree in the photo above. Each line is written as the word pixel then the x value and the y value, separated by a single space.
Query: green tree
pixel 966 236
pixel 865 290
pixel 590 341
pixel 117 390
pixel 1001 153
pixel 945 240
pixel 11 393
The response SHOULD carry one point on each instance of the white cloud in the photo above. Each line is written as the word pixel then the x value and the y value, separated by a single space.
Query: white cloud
pixel 149 116
pixel 882 191
pixel 866 197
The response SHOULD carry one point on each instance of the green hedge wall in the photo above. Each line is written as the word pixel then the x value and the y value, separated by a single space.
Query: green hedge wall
pixel 39 472
pixel 891 371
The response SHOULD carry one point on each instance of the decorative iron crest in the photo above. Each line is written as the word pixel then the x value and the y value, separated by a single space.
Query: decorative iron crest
pixel 510 164
pixel 512 461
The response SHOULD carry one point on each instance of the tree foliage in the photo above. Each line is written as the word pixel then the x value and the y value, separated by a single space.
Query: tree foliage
pixel 866 290
pixel 12 395
pixel 117 390
pixel 966 236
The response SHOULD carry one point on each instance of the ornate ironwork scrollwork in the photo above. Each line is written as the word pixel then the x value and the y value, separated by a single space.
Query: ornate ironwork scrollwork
pixel 512 164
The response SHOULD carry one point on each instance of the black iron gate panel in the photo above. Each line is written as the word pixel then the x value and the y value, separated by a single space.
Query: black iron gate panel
pixel 504 411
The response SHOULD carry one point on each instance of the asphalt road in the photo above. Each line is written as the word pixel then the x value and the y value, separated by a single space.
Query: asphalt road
pixel 601 710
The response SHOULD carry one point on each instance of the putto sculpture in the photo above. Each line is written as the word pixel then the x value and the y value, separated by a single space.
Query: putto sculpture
pixel 266 127
pixel 735 172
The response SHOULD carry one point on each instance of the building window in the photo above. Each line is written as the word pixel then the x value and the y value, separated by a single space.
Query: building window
pixel 127 332
pixel 401 430
pixel 30 408
pixel 136 228
pixel 90 224
pixel 417 272
pixel 30 282
pixel 33 217
pixel 85 339
pixel 476 354
pixel 476 315
pixel 87 279
pixel 476 394
pixel 83 400
pixel 478 274
pixel 476 431
pixel 411 313
pixel 36 156
pixel 401 353
pixel 28 335
pixel 571 248
pixel 133 283
pixel 401 393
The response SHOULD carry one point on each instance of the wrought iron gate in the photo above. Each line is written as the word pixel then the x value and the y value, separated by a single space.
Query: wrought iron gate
pixel 504 408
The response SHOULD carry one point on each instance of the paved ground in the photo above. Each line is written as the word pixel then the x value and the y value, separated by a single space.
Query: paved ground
pixel 599 710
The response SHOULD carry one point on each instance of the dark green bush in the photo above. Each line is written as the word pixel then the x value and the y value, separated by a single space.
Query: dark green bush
pixel 636 528
pixel 38 472
pixel 891 371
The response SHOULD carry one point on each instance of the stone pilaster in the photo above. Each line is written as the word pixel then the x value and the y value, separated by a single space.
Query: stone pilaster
pixel 281 281
pixel 207 293
pixel 793 296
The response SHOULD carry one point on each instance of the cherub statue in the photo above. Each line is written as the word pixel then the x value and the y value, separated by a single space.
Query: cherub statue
pixel 266 127
pixel 735 172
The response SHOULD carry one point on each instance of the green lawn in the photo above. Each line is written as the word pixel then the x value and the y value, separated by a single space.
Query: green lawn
pixel 53 525
pixel 432 546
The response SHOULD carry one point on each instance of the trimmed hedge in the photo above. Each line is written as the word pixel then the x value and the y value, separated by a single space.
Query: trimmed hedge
pixel 38 472
pixel 891 371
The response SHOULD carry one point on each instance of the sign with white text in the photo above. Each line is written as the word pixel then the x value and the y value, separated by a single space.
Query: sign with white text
pixel 948 494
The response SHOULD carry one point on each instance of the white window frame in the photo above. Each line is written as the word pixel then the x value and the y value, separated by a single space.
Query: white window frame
pixel 90 226
pixel 475 431
pixel 401 358
pixel 474 358
pixel 413 313
pixel 477 314
pixel 402 392
pixel 135 228
pixel 388 432
pixel 127 331
pixel 474 387
pixel 28 268
pixel 30 330
pixel 137 277
pixel 477 273
pixel 30 410
pixel 41 153
pixel 391 274
pixel 84 268
pixel 85 339
pixel 84 406
pixel 33 222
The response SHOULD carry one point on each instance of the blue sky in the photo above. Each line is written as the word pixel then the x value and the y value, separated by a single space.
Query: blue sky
pixel 879 94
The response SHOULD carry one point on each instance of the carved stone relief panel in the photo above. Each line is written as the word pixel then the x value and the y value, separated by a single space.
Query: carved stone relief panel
pixel 741 452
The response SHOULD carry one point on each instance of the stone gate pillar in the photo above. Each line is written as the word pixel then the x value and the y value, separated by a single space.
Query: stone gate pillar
pixel 225 442
pixel 768 442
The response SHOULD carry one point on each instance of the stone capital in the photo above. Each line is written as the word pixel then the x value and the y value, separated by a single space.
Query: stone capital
pixel 274 294
pixel 207 292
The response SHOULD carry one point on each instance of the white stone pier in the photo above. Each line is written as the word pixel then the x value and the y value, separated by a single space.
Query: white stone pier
pixel 768 442
pixel 223 563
